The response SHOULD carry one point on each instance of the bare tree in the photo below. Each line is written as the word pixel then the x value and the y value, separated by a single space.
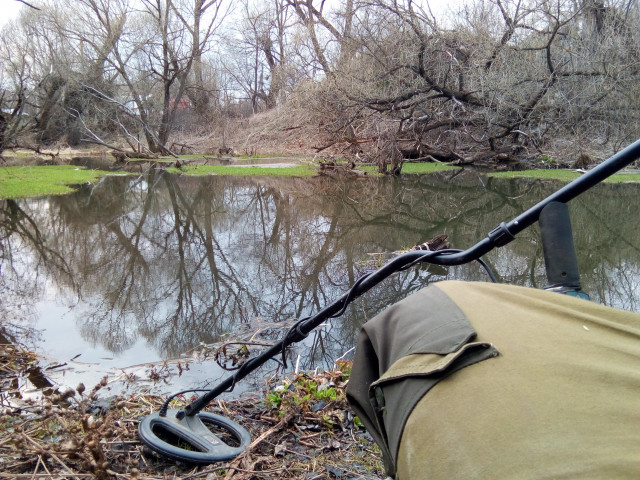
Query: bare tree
pixel 15 75
pixel 387 79
pixel 134 62
pixel 495 84
pixel 31 85
pixel 264 44
pixel 178 38
pixel 24 2
pixel 331 41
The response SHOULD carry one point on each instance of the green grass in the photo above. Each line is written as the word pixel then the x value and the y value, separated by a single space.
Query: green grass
pixel 426 167
pixel 564 175
pixel 40 181
pixel 417 168
pixel 250 171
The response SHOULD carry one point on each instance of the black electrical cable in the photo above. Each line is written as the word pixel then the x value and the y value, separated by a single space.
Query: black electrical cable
pixel 487 269
pixel 296 332
pixel 165 406
pixel 448 251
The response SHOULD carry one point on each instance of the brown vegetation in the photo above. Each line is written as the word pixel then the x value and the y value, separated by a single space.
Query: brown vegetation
pixel 77 434
pixel 377 81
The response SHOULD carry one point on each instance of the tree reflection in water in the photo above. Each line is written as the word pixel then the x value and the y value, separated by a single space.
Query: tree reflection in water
pixel 179 261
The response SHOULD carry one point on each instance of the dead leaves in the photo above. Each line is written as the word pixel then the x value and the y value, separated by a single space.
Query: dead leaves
pixel 76 435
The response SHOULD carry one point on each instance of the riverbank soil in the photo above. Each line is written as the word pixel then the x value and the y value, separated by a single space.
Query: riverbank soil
pixel 299 431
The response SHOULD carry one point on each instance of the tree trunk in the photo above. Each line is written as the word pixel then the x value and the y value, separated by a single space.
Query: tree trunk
pixel 3 129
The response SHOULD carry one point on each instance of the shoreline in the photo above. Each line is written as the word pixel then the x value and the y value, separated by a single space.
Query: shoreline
pixel 38 177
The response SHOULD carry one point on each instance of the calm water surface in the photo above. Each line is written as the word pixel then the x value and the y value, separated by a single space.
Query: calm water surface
pixel 138 270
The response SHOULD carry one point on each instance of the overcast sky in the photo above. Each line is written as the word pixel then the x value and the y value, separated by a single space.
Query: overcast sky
pixel 9 8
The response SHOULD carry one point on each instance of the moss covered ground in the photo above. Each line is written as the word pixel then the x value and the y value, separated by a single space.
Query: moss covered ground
pixel 301 170
pixel 45 180
pixel 564 175
pixel 40 181
pixel 417 168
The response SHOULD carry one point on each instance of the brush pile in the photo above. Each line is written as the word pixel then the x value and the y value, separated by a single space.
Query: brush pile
pixel 301 429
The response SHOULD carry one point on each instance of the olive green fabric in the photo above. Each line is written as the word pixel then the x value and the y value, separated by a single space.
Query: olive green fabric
pixel 400 355
pixel 561 401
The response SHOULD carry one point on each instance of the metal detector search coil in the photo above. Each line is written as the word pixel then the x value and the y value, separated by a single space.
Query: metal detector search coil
pixel 192 431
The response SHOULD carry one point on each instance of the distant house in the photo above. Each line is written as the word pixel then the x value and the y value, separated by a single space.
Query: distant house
pixel 183 105
pixel 132 106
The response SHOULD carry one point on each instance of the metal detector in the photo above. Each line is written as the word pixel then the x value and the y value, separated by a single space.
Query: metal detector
pixel 184 434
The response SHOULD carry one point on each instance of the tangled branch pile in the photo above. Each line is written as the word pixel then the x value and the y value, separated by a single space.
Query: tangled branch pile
pixel 501 81
pixel 302 430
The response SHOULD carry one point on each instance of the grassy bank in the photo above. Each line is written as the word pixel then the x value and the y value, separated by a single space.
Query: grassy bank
pixel 40 181
pixel 564 175
pixel 302 170
pixel 416 168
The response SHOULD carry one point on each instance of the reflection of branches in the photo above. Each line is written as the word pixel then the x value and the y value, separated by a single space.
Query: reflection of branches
pixel 181 260
pixel 17 223
pixel 228 278
pixel 25 253
pixel 124 285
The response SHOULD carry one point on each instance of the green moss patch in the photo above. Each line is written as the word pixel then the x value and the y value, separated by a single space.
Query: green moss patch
pixel 40 181
pixel 427 167
pixel 303 170
pixel 565 175
pixel 417 168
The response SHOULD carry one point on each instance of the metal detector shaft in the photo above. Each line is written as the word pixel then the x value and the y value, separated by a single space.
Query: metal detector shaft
pixel 499 236
pixel 327 312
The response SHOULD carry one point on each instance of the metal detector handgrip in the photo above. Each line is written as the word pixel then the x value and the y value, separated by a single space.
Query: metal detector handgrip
pixel 557 242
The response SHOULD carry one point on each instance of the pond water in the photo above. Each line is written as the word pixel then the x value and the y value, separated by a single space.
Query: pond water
pixel 130 272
